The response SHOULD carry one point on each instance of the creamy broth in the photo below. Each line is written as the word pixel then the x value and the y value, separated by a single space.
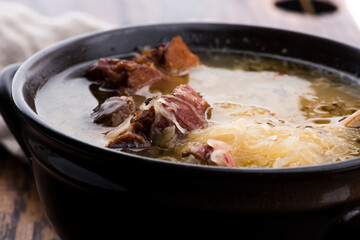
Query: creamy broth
pixel 263 97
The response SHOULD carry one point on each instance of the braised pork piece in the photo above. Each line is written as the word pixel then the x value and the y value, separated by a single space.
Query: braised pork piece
pixel 123 74
pixel 172 58
pixel 163 120
pixel 152 66
pixel 114 111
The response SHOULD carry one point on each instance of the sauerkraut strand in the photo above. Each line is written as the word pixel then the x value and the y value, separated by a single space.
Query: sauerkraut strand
pixel 258 144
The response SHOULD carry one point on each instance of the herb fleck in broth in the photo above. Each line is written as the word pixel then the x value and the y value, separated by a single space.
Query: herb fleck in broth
pixel 272 104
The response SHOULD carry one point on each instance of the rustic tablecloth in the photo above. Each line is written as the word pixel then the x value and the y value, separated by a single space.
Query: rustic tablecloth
pixel 23 32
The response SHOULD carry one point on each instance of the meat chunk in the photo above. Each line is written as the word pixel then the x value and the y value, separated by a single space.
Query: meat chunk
pixel 117 73
pixel 183 108
pixel 160 65
pixel 169 116
pixel 189 96
pixel 174 57
pixel 178 57
pixel 213 153
pixel 106 70
pixel 114 111
pixel 129 140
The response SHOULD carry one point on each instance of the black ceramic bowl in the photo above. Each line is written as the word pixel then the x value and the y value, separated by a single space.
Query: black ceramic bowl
pixel 89 191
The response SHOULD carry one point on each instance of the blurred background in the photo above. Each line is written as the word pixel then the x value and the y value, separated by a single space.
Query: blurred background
pixel 125 12
pixel 312 16
pixel 26 26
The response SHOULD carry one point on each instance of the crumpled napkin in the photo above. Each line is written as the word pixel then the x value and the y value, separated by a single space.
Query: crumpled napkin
pixel 23 32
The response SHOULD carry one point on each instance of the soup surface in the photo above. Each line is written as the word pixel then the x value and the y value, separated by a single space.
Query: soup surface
pixel 267 112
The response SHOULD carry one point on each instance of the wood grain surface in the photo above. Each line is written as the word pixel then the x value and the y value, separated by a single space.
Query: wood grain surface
pixel 21 215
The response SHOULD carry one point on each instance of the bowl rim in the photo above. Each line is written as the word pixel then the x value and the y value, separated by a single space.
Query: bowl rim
pixel 32 118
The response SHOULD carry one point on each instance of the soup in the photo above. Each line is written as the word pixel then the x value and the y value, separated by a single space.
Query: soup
pixel 227 109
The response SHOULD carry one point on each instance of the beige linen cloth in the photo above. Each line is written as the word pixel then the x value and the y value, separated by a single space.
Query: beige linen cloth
pixel 24 32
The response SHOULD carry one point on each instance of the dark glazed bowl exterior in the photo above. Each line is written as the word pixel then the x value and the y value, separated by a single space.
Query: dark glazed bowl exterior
pixel 92 192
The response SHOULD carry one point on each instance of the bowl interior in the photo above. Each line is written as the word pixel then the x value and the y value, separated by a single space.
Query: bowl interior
pixel 199 36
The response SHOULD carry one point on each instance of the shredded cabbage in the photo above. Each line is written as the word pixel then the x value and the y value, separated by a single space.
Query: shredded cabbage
pixel 258 144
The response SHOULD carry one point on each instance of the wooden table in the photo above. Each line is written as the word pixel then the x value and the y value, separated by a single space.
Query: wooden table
pixel 21 214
